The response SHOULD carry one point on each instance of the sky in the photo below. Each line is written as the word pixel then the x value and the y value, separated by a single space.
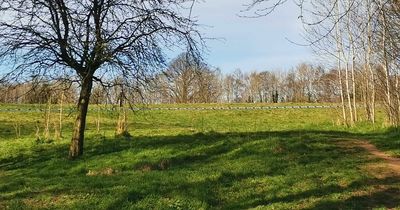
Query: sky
pixel 251 43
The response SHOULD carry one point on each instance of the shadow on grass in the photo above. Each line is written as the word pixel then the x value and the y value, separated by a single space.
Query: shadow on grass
pixel 388 141
pixel 386 197
pixel 213 170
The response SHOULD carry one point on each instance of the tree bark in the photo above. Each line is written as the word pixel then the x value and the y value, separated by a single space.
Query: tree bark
pixel 352 56
pixel 339 45
pixel 122 118
pixel 347 61
pixel 398 100
pixel 371 76
pixel 386 68
pixel 348 93
pixel 76 148
pixel 61 113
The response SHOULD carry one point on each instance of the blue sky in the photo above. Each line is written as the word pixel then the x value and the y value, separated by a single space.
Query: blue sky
pixel 251 43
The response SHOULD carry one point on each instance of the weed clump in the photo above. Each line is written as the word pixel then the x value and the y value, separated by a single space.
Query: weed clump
pixel 102 172
pixel 159 166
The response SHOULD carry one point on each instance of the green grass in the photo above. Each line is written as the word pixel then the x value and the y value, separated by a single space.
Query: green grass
pixel 231 159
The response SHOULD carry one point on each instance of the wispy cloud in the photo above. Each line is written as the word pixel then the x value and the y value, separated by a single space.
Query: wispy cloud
pixel 250 43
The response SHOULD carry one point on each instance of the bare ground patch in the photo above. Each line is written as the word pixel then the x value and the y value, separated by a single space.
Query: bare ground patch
pixel 388 167
pixel 386 173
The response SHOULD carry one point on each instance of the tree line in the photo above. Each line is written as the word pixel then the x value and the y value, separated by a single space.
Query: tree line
pixel 187 81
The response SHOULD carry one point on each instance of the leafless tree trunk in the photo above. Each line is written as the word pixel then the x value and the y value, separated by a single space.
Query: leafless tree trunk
pixel 98 121
pixel 76 148
pixel 385 65
pixel 122 123
pixel 371 80
pixel 397 86
pixel 352 56
pixel 350 105
pixel 339 45
pixel 61 114
pixel 47 119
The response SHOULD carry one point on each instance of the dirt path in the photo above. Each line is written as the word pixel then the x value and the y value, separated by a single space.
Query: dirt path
pixel 393 163
pixel 391 166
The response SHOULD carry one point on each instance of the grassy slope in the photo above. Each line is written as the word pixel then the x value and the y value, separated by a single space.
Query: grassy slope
pixel 278 159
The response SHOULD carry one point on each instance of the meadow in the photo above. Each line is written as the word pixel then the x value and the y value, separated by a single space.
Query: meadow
pixel 199 159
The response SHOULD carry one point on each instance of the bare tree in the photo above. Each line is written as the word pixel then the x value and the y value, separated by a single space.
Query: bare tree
pixel 208 85
pixel 238 86
pixel 228 84
pixel 189 81
pixel 91 40
pixel 180 78
pixel 255 87
pixel 270 86
pixel 363 41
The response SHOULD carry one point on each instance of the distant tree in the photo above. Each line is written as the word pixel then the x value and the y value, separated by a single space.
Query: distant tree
pixel 255 87
pixel 187 80
pixel 99 95
pixel 308 77
pixel 228 89
pixel 269 85
pixel 181 75
pixel 328 87
pixel 208 85
pixel 238 86
pixel 275 96
pixel 87 41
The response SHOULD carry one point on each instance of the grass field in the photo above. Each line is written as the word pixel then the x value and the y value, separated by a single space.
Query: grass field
pixel 212 159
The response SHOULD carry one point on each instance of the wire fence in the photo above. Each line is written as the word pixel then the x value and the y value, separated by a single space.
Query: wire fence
pixel 29 110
